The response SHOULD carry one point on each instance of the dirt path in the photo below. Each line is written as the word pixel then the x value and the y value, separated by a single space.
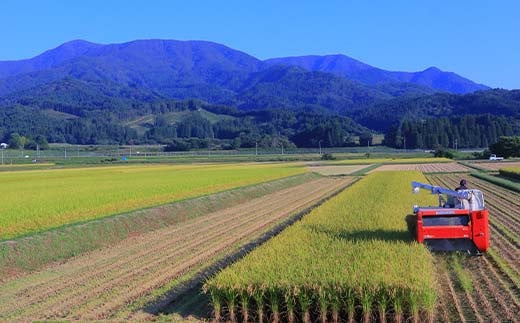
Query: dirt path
pixel 105 283
pixel 495 292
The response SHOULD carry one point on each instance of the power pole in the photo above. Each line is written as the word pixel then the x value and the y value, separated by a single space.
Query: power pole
pixel 319 144
pixel 256 148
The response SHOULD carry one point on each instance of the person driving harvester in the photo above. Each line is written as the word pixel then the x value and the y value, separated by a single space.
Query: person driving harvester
pixel 453 201
pixel 462 185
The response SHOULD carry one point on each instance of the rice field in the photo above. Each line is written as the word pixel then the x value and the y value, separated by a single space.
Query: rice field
pixel 487 288
pixel 352 258
pixel 367 161
pixel 333 170
pixel 494 166
pixel 35 165
pixel 513 172
pixel 133 279
pixel 38 200
pixel 425 168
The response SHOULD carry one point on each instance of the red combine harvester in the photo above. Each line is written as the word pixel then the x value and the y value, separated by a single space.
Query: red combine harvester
pixel 460 222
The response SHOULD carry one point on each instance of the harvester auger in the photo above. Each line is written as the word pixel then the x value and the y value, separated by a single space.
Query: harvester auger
pixel 460 222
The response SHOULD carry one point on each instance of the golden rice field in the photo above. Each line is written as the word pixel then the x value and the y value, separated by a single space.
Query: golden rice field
pixel 37 200
pixel 351 258
pixel 391 161
pixel 513 172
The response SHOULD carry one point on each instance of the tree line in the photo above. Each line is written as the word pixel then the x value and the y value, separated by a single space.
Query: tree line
pixel 468 131
pixel 222 125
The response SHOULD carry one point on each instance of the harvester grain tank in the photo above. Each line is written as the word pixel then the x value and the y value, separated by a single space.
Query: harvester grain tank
pixel 460 222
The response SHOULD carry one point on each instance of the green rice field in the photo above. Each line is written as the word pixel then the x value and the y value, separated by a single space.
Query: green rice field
pixel 37 200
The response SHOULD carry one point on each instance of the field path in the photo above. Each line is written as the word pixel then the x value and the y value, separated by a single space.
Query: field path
pixel 104 283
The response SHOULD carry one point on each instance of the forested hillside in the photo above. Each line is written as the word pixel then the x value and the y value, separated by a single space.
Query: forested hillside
pixel 195 94
pixel 453 132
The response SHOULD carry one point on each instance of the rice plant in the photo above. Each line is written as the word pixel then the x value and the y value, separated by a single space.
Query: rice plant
pixel 37 200
pixel 349 259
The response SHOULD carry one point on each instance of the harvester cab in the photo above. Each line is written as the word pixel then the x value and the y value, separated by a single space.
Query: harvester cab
pixel 460 222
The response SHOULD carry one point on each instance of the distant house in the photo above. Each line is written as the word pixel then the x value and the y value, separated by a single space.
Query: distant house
pixel 3 145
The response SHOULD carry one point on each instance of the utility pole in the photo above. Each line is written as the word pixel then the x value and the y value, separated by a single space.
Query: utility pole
pixel 37 151
pixel 256 148
pixel 456 144
pixel 319 144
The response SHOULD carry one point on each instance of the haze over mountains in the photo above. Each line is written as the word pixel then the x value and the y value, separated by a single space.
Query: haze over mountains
pixel 129 91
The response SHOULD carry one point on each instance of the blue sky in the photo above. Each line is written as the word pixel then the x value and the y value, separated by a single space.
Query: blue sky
pixel 478 39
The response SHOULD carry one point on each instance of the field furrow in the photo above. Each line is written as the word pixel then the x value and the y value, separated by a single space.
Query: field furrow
pixel 122 256
pixel 448 306
pixel 485 299
pixel 502 281
pixel 219 238
pixel 494 276
pixel 98 285
pixel 466 308
pixel 512 197
pixel 490 293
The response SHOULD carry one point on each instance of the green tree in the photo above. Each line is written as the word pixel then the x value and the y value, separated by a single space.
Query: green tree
pixel 506 147
pixel 16 141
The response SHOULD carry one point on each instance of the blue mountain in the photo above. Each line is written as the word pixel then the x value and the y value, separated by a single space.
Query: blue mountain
pixel 206 70
pixel 355 70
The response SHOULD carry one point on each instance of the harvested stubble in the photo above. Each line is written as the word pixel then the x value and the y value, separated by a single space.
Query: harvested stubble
pixel 116 282
pixel 367 161
pixel 34 201
pixel 425 168
pixel 497 165
pixel 351 258
pixel 336 170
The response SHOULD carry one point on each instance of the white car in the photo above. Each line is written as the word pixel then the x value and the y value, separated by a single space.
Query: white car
pixel 494 157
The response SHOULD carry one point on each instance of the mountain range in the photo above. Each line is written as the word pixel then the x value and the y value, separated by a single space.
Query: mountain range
pixel 119 85
pixel 171 66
